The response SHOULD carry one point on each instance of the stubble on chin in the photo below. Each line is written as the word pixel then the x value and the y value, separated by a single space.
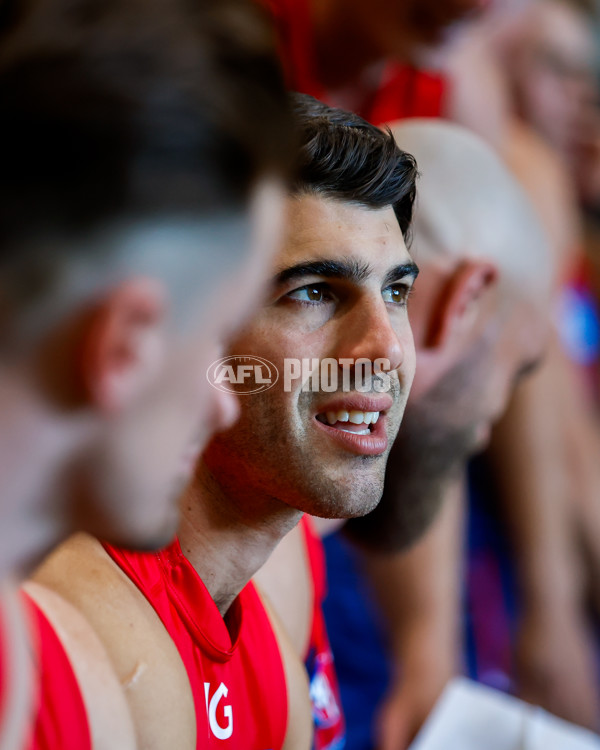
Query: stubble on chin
pixel 353 490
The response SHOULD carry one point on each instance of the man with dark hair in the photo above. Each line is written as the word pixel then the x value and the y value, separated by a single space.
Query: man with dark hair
pixel 137 173
pixel 186 621
pixel 477 315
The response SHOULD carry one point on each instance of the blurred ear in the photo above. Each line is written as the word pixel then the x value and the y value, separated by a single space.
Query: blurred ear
pixel 123 346
pixel 460 302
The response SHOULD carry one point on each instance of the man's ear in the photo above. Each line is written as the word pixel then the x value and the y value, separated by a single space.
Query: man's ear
pixel 459 301
pixel 123 344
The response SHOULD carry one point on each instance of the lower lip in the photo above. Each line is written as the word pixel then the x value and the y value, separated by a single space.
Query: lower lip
pixel 373 444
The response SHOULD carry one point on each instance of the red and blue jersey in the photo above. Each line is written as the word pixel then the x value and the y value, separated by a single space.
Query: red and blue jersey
pixel 328 716
pixel 578 322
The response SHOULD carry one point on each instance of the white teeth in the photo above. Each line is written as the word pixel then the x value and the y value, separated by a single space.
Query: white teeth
pixel 355 417
pixel 355 432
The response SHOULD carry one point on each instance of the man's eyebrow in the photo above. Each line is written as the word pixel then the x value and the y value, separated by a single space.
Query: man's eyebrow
pixel 400 272
pixel 348 269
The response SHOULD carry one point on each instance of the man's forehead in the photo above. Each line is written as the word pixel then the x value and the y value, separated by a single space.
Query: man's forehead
pixel 330 228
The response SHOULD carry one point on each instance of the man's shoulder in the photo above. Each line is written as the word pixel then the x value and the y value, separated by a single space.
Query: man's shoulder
pixel 83 574
pixel 90 705
pixel 299 716
pixel 143 656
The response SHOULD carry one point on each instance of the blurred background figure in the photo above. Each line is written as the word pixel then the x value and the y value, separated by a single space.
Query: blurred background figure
pixel 368 58
pixel 144 152
pixel 544 458
pixel 549 58
pixel 522 74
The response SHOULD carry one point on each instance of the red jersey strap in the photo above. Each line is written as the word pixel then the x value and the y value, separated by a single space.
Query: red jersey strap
pixel 233 665
pixel 173 587
pixel 328 715
pixel 61 719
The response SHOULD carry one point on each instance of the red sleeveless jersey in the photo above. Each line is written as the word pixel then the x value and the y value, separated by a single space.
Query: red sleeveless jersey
pixel 328 716
pixel 403 90
pixel 60 719
pixel 234 665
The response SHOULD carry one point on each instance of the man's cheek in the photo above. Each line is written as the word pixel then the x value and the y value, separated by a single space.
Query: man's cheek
pixel 395 417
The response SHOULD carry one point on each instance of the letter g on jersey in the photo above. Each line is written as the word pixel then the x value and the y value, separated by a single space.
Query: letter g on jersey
pixel 221 733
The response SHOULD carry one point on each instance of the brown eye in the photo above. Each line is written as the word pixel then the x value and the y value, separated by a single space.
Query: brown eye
pixel 396 294
pixel 312 293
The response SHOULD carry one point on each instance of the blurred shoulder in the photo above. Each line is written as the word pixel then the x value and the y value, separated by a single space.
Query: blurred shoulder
pixel 141 653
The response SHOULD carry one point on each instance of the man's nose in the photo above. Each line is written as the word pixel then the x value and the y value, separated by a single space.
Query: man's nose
pixel 367 331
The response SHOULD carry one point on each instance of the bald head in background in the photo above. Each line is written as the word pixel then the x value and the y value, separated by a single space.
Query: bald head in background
pixel 469 205
pixel 479 316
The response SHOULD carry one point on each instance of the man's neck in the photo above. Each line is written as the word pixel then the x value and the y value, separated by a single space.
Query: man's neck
pixel 36 451
pixel 41 508
pixel 228 535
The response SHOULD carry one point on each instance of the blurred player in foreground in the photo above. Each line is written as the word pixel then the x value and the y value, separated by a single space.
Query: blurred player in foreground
pixel 141 200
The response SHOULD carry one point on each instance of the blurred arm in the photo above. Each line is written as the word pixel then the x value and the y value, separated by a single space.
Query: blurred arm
pixel 419 593
pixel 529 458
pixel 529 449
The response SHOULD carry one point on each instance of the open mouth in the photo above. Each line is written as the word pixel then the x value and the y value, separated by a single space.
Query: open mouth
pixel 359 432
pixel 355 422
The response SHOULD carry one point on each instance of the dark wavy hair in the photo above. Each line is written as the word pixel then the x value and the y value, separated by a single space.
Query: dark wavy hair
pixel 343 156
